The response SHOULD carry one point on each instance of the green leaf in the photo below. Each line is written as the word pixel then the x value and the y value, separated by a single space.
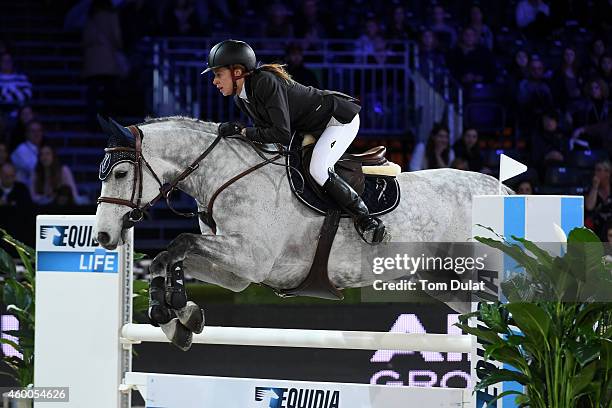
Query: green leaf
pixel 584 353
pixel 543 257
pixel 139 255
pixel 520 288
pixel 492 316
pixel 515 252
pixel 17 244
pixel 140 285
pixel 581 380
pixel 501 375
pixel 505 353
pixel 503 394
pixel 17 294
pixel 7 265
pixel 482 334
pixel 10 343
pixel 464 318
pixel 582 234
pixel 531 320
pixel 606 354
pixel 19 333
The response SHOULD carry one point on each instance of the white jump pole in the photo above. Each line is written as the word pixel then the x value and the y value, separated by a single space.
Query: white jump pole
pixel 332 339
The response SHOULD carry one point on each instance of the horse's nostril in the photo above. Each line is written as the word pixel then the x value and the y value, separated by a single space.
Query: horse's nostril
pixel 103 238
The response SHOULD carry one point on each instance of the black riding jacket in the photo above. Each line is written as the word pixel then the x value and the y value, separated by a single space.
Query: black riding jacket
pixel 278 108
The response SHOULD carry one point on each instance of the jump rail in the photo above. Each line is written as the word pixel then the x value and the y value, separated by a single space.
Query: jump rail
pixel 331 339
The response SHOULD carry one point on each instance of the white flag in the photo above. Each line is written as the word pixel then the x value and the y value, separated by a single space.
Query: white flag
pixel 508 167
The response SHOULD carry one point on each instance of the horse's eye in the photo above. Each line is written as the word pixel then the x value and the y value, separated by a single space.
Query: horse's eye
pixel 120 174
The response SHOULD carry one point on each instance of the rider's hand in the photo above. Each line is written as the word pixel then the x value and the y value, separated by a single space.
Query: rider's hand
pixel 230 129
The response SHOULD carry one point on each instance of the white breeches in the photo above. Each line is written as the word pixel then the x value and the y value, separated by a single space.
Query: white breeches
pixel 332 144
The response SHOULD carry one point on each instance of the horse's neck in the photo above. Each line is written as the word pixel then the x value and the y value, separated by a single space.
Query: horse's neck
pixel 178 149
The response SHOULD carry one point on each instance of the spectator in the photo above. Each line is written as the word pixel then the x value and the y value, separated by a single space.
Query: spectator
pixel 102 57
pixel 534 95
pixel 549 145
pixel 591 66
pixel 525 187
pixel 25 114
pixel 467 148
pixel 309 24
pixel 598 203
pixel 49 176
pixel 436 154
pixel 519 69
pixel 605 69
pixel 431 60
pixel 483 32
pixel 567 82
pixel 593 137
pixel 278 24
pixel 15 89
pixel 446 34
pixel 471 62
pixel 25 155
pixel 371 46
pixel 399 29
pixel 12 192
pixel 181 19
pixel 532 17
pixel 295 66
pixel 4 154
pixel 596 108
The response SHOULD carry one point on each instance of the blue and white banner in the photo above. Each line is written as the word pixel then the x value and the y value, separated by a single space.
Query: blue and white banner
pixel 186 391
pixel 68 245
pixel 540 219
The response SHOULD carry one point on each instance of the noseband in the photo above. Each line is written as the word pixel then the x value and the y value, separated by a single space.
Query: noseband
pixel 139 210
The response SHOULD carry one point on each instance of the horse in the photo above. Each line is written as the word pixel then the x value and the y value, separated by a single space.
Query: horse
pixel 262 234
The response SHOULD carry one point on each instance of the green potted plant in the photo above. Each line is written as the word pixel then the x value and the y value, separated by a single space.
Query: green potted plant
pixel 17 294
pixel 554 331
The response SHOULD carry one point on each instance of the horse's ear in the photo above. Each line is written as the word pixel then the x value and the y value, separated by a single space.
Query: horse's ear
pixel 105 125
pixel 122 132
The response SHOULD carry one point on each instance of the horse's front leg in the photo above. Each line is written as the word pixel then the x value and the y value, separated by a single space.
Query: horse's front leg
pixel 169 308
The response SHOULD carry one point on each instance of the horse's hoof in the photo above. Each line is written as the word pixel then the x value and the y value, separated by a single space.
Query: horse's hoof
pixel 178 334
pixel 192 317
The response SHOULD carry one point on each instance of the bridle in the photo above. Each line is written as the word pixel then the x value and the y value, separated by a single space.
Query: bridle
pixel 139 210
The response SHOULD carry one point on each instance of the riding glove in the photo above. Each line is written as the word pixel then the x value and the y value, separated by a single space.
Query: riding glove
pixel 230 129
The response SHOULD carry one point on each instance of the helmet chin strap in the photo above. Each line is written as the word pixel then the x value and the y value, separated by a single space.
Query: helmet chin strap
pixel 236 78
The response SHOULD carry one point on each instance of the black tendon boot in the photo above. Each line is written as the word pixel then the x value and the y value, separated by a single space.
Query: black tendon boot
pixel 371 229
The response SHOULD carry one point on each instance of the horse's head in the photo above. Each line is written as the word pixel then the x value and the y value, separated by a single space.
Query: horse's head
pixel 127 184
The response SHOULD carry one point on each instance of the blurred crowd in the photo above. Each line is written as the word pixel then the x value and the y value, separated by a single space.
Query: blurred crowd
pixel 546 65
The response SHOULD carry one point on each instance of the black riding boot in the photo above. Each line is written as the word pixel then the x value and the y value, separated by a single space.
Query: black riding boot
pixel 371 229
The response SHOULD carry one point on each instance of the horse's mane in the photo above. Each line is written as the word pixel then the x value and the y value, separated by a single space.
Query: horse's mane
pixel 191 123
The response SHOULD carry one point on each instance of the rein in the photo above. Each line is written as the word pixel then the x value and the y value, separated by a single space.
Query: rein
pixel 139 210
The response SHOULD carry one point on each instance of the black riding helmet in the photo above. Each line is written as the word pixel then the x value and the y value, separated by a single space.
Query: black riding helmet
pixel 231 52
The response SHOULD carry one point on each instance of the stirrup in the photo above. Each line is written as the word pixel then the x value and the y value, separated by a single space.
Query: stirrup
pixel 376 235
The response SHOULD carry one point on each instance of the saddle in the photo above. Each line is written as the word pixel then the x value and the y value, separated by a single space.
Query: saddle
pixel 370 175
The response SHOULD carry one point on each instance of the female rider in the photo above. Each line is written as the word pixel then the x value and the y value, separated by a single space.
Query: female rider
pixel 279 106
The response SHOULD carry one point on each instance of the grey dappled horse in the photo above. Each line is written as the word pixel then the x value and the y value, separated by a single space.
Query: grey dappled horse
pixel 265 235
